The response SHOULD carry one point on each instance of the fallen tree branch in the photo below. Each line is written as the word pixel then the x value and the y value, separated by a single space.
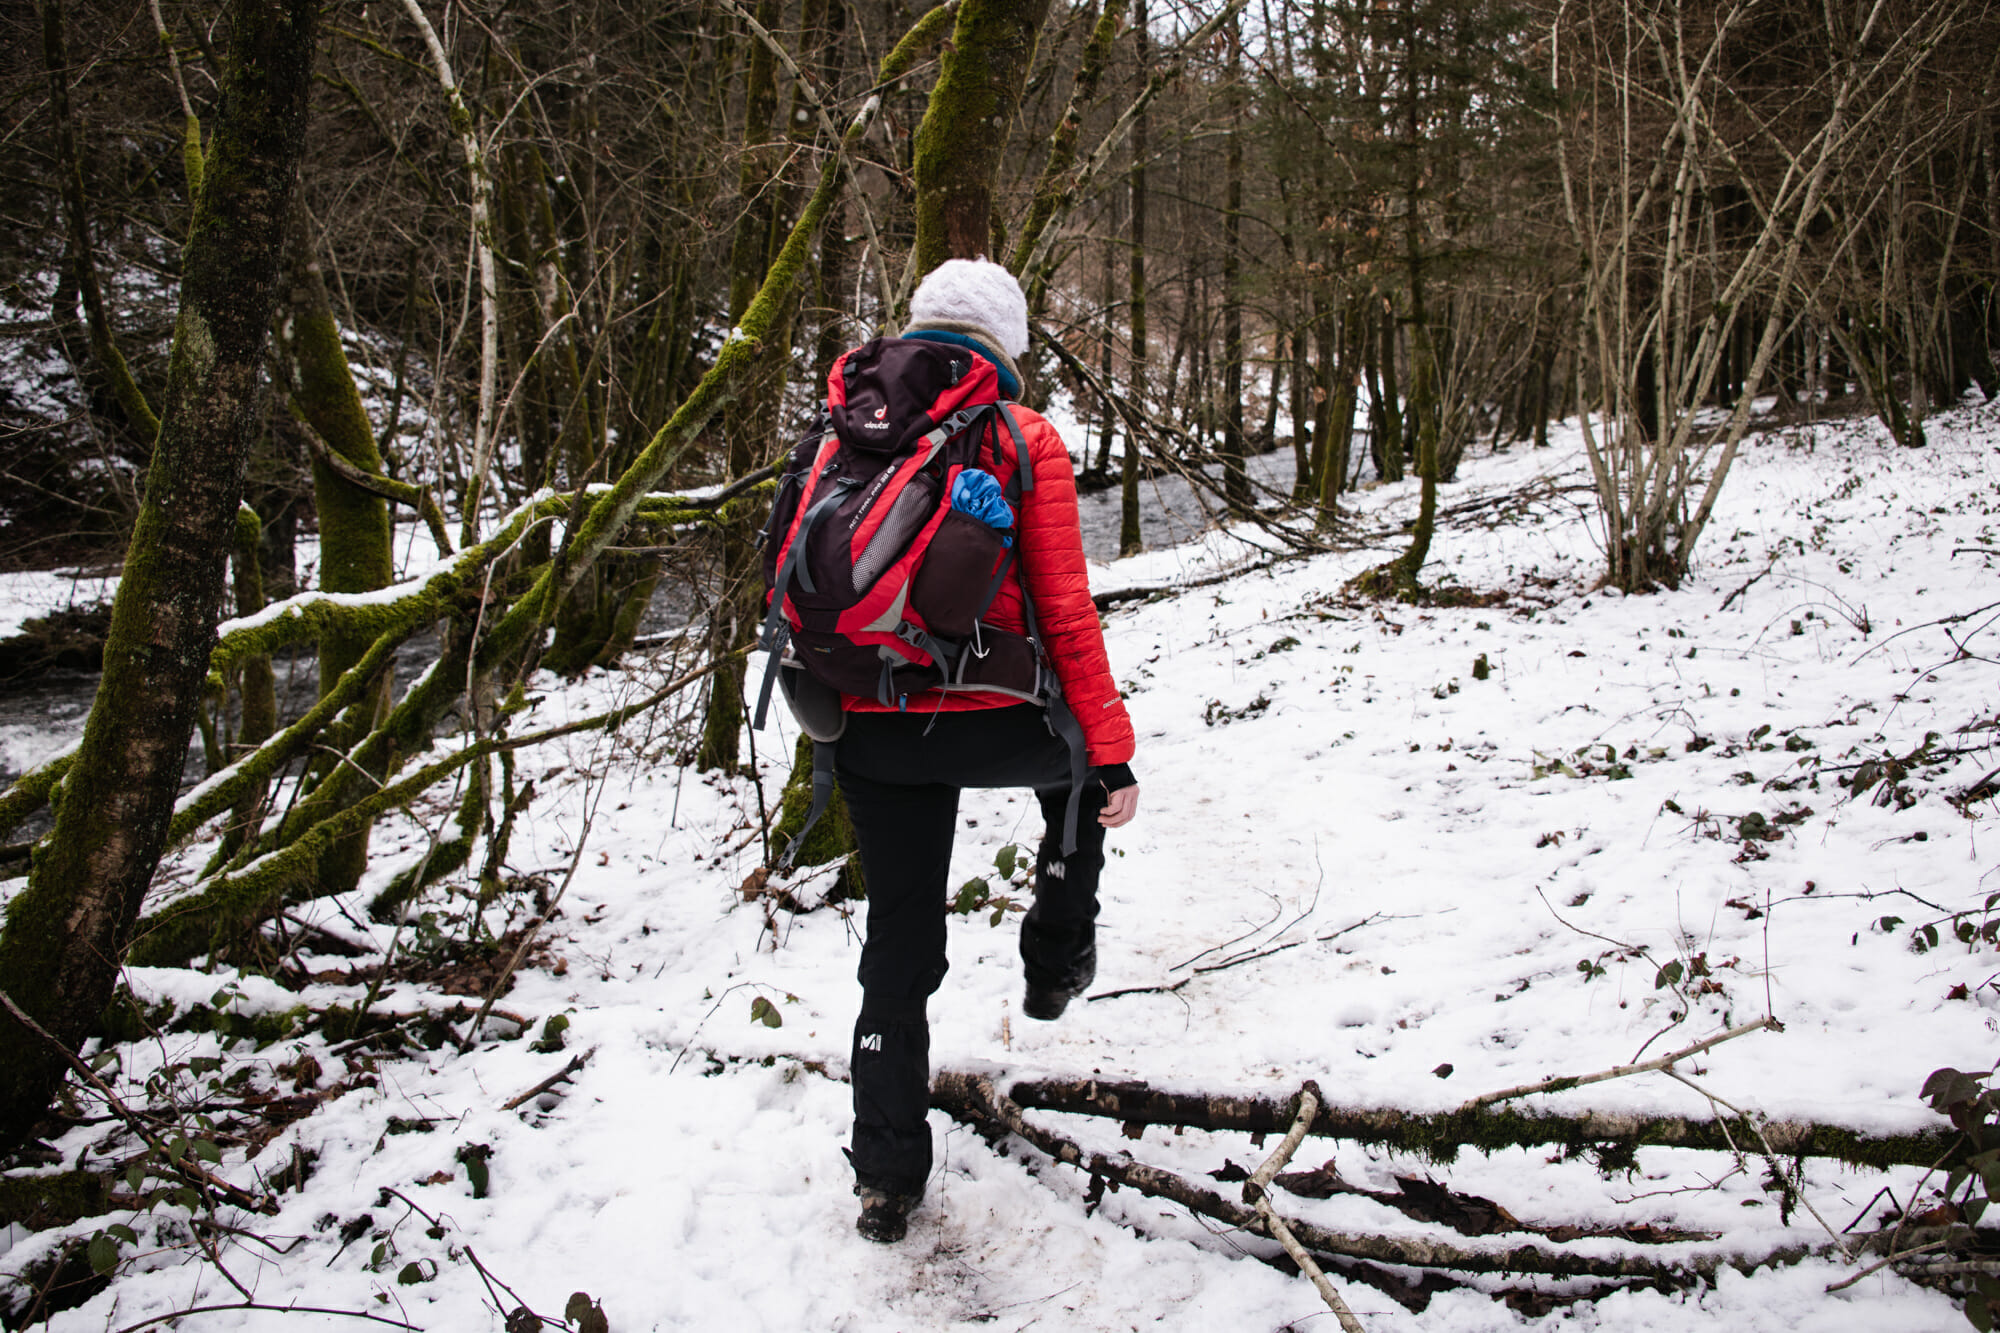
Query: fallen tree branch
pixel 1622 1071
pixel 1959 1268
pixel 576 1062
pixel 1104 601
pixel 406 493
pixel 972 1098
pixel 1256 1192
pixel 183 1165
pixel 1439 1135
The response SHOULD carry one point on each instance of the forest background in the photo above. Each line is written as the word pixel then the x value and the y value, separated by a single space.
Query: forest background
pixel 562 282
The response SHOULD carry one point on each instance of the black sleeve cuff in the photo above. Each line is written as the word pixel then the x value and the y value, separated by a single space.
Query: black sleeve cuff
pixel 1115 777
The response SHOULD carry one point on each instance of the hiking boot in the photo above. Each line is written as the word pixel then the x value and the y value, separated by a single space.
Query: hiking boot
pixel 1047 1003
pixel 885 1217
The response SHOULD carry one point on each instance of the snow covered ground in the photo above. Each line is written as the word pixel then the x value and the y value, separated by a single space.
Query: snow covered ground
pixel 1431 870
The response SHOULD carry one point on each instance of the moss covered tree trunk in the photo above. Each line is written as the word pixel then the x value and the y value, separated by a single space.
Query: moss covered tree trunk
pixel 748 423
pixel 355 547
pixel 964 130
pixel 67 931
pixel 256 683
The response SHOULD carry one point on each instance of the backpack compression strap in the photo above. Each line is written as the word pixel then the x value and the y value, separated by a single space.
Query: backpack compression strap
pixel 822 794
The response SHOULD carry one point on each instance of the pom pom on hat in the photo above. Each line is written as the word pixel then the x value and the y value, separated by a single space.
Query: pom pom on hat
pixel 976 292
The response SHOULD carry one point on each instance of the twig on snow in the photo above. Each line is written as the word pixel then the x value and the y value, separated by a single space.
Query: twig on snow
pixel 1251 957
pixel 520 1306
pixel 1770 1156
pixel 1747 586
pixel 280 1309
pixel 1664 1062
pixel 1847 1282
pixel 576 1062
pixel 1248 957
pixel 1139 990
pixel 534 930
pixel 191 1171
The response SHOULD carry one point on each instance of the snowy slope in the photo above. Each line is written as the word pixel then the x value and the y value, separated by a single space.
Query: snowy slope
pixel 1431 869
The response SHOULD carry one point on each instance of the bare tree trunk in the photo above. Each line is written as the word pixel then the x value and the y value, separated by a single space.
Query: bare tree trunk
pixel 1130 541
pixel 110 362
pixel 1107 424
pixel 1386 414
pixel 1057 184
pixel 1305 450
pixel 1235 480
pixel 1338 419
pixel 748 423
pixel 256 683
pixel 67 931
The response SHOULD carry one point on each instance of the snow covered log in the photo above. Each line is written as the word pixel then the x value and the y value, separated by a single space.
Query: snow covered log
pixel 973 1098
pixel 1438 1136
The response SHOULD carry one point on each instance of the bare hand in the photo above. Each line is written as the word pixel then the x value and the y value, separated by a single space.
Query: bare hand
pixel 1119 809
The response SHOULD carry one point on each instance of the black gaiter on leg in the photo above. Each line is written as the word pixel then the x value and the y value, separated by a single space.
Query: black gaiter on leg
pixel 892 1087
pixel 905 832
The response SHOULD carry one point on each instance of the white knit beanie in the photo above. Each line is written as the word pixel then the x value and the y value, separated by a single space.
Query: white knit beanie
pixel 976 292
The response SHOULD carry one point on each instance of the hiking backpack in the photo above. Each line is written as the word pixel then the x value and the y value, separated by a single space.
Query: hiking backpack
pixel 888 542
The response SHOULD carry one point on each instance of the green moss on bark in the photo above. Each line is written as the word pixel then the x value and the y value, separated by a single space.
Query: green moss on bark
pixel 354 530
pixel 965 127
pixel 39 1203
pixel 31 791
pixel 66 932
pixel 447 858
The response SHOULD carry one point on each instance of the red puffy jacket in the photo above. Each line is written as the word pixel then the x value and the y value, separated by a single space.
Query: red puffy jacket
pixel 1051 559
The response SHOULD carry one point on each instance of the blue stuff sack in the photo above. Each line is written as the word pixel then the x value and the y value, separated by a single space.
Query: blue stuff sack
pixel 976 494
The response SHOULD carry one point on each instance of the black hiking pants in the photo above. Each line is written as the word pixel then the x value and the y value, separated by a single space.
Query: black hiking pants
pixel 901 774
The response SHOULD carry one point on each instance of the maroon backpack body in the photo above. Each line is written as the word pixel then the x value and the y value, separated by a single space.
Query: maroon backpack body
pixel 876 581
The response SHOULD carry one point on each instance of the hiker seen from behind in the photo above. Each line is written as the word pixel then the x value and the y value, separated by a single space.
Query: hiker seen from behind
pixel 931 625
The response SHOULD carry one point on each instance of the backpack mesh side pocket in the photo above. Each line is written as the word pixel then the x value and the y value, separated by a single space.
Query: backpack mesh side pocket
pixel 911 509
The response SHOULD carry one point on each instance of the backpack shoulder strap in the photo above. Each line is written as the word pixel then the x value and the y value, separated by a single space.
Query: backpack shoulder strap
pixel 1024 466
pixel 1062 721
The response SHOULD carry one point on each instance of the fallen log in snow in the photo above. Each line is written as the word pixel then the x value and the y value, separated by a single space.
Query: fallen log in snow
pixel 973 1098
pixel 1439 1136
